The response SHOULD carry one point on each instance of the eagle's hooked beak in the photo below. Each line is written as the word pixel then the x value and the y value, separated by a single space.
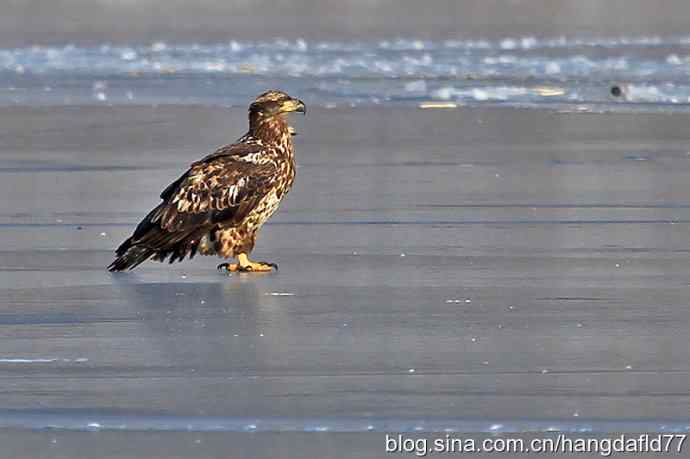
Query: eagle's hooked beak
pixel 302 108
pixel 295 105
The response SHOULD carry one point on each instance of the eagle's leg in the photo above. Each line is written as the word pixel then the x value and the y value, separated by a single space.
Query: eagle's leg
pixel 245 265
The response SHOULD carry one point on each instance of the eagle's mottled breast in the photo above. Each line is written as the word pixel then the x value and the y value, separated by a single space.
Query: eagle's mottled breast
pixel 281 157
pixel 233 238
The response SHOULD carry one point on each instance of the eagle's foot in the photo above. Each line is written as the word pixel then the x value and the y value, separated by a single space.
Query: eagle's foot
pixel 247 266
pixel 257 266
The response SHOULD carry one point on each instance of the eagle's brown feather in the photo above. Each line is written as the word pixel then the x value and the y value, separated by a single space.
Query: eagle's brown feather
pixel 221 190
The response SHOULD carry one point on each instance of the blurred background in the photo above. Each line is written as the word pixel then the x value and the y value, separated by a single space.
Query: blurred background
pixel 560 54
pixel 26 22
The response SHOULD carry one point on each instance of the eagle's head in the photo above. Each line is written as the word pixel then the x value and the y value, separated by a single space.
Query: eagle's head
pixel 267 120
pixel 274 103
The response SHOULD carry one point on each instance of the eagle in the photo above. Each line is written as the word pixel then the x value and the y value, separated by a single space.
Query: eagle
pixel 221 202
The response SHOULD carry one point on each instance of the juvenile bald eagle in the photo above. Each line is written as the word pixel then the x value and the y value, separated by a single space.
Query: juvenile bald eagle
pixel 219 204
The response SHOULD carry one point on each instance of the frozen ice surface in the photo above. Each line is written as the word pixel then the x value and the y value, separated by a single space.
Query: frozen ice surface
pixel 534 252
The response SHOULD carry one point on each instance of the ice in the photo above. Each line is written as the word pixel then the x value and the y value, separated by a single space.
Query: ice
pixel 217 66
pixel 528 42
pixel 673 59
pixel 366 72
pixel 236 47
pixel 301 45
pixel 159 46
pixel 418 86
pixel 552 68
pixel 498 93
pixel 43 360
pixel 128 55
pixel 444 93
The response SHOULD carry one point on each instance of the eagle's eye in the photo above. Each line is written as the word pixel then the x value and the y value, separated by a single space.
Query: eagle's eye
pixel 266 108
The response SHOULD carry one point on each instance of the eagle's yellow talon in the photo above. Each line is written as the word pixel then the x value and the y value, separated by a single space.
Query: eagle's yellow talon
pixel 257 267
pixel 247 266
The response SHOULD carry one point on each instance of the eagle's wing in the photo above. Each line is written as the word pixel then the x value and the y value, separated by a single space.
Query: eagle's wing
pixel 223 190
pixel 243 152
pixel 223 187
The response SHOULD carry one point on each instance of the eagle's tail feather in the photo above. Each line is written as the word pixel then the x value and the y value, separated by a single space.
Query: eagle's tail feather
pixel 158 245
pixel 132 257
pixel 186 247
